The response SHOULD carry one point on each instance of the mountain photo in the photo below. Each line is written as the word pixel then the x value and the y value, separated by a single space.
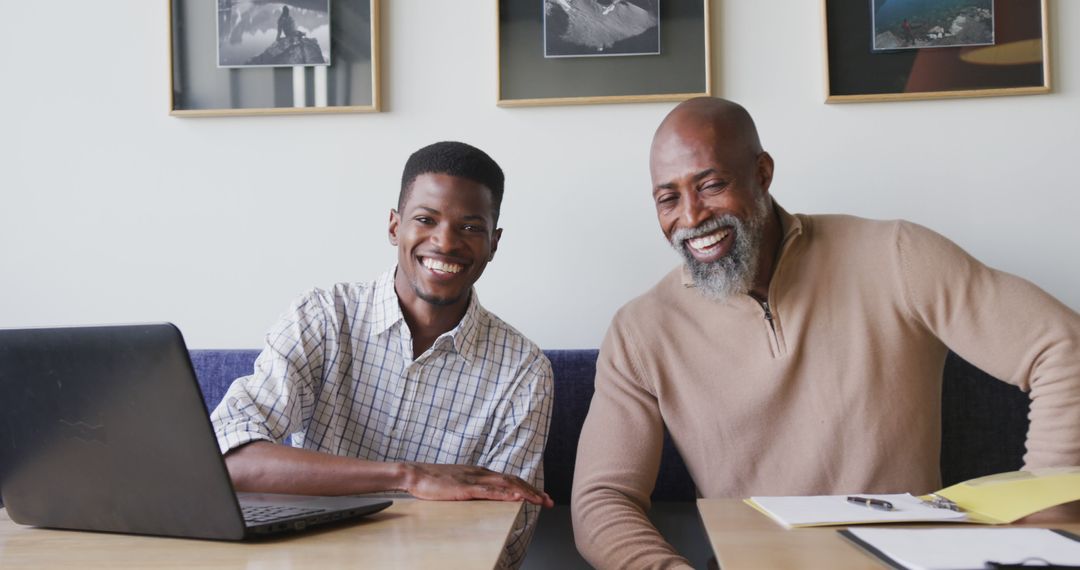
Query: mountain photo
pixel 590 28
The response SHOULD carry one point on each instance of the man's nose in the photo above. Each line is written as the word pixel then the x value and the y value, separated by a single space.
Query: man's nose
pixel 694 212
pixel 446 238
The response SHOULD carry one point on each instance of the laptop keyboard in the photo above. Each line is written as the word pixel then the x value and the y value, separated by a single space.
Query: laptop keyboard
pixel 270 513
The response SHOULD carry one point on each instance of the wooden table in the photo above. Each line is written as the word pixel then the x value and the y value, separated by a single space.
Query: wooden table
pixel 409 534
pixel 744 538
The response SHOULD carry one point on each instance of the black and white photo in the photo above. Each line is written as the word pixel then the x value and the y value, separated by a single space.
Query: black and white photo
pixel 590 28
pixel 262 33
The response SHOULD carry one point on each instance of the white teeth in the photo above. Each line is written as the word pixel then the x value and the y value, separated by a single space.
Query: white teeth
pixel 436 265
pixel 706 241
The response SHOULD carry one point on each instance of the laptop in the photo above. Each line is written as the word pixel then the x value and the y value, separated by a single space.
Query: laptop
pixel 104 428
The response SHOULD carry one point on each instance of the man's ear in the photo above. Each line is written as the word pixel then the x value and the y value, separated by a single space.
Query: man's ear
pixel 395 221
pixel 765 171
pixel 494 243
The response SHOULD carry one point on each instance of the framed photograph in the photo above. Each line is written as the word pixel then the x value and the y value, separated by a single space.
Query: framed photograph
pixel 258 57
pixel 558 52
pixel 888 50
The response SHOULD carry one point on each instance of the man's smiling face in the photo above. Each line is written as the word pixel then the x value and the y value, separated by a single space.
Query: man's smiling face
pixel 710 189
pixel 445 234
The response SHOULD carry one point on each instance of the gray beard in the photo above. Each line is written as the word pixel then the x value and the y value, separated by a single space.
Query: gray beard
pixel 734 273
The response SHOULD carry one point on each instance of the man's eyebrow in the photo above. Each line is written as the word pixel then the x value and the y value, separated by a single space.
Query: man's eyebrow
pixel 695 177
pixel 469 217
pixel 704 173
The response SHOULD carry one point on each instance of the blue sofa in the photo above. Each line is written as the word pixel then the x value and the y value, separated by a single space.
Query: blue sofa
pixel 984 425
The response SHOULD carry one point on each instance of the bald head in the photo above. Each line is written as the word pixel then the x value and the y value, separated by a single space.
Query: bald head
pixel 709 121
pixel 705 131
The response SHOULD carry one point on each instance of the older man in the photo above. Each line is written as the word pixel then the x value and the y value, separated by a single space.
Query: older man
pixel 796 354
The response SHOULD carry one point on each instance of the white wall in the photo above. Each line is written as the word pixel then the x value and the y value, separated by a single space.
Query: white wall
pixel 113 211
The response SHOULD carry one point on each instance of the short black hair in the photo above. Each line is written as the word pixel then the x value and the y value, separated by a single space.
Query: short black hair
pixel 456 159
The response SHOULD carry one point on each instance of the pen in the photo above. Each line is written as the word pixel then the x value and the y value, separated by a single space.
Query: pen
pixel 872 503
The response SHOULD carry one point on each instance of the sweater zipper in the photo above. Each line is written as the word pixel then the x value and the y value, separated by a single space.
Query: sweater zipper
pixel 785 245
pixel 772 326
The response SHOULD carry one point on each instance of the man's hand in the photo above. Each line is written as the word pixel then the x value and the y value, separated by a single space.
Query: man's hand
pixel 464 482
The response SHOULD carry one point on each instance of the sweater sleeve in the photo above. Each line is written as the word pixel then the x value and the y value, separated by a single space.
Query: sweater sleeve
pixel 617 462
pixel 1006 326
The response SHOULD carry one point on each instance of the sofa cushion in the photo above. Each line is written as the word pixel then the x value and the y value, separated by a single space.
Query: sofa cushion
pixel 575 371
pixel 216 370
pixel 984 421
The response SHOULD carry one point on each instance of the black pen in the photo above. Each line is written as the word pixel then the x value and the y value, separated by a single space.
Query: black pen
pixel 872 503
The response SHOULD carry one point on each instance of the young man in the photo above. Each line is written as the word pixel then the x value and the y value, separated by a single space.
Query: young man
pixel 796 354
pixel 405 383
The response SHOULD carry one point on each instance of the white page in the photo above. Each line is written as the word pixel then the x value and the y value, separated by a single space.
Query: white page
pixel 960 548
pixel 835 509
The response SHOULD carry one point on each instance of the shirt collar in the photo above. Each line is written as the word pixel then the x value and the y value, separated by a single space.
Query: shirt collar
pixel 790 226
pixel 387 309
pixel 461 338
pixel 465 333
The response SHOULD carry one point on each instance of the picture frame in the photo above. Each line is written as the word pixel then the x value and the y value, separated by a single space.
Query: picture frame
pixel 569 52
pixel 204 82
pixel 875 55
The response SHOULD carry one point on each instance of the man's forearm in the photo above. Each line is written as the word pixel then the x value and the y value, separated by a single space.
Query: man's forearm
pixel 267 467
pixel 612 531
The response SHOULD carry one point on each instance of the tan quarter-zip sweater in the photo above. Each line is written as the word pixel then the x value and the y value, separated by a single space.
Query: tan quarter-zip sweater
pixel 839 392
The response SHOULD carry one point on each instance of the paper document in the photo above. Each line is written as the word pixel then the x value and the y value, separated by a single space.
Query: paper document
pixel 965 548
pixel 824 510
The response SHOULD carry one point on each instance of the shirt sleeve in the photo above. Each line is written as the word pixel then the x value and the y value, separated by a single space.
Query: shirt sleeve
pixel 276 400
pixel 518 445
pixel 1007 327
pixel 618 459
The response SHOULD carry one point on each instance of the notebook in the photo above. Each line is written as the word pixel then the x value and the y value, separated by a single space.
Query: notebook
pixel 104 429
pixel 1001 498
pixel 826 510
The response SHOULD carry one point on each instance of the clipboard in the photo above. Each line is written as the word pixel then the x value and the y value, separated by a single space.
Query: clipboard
pixel 965 548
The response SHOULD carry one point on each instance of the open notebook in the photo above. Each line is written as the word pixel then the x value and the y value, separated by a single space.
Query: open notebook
pixel 995 499
pixel 825 510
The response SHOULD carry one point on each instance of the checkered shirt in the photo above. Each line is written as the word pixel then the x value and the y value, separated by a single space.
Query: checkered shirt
pixel 337 376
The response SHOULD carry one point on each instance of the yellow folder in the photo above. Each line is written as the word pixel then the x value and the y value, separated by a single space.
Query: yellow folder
pixel 1007 497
